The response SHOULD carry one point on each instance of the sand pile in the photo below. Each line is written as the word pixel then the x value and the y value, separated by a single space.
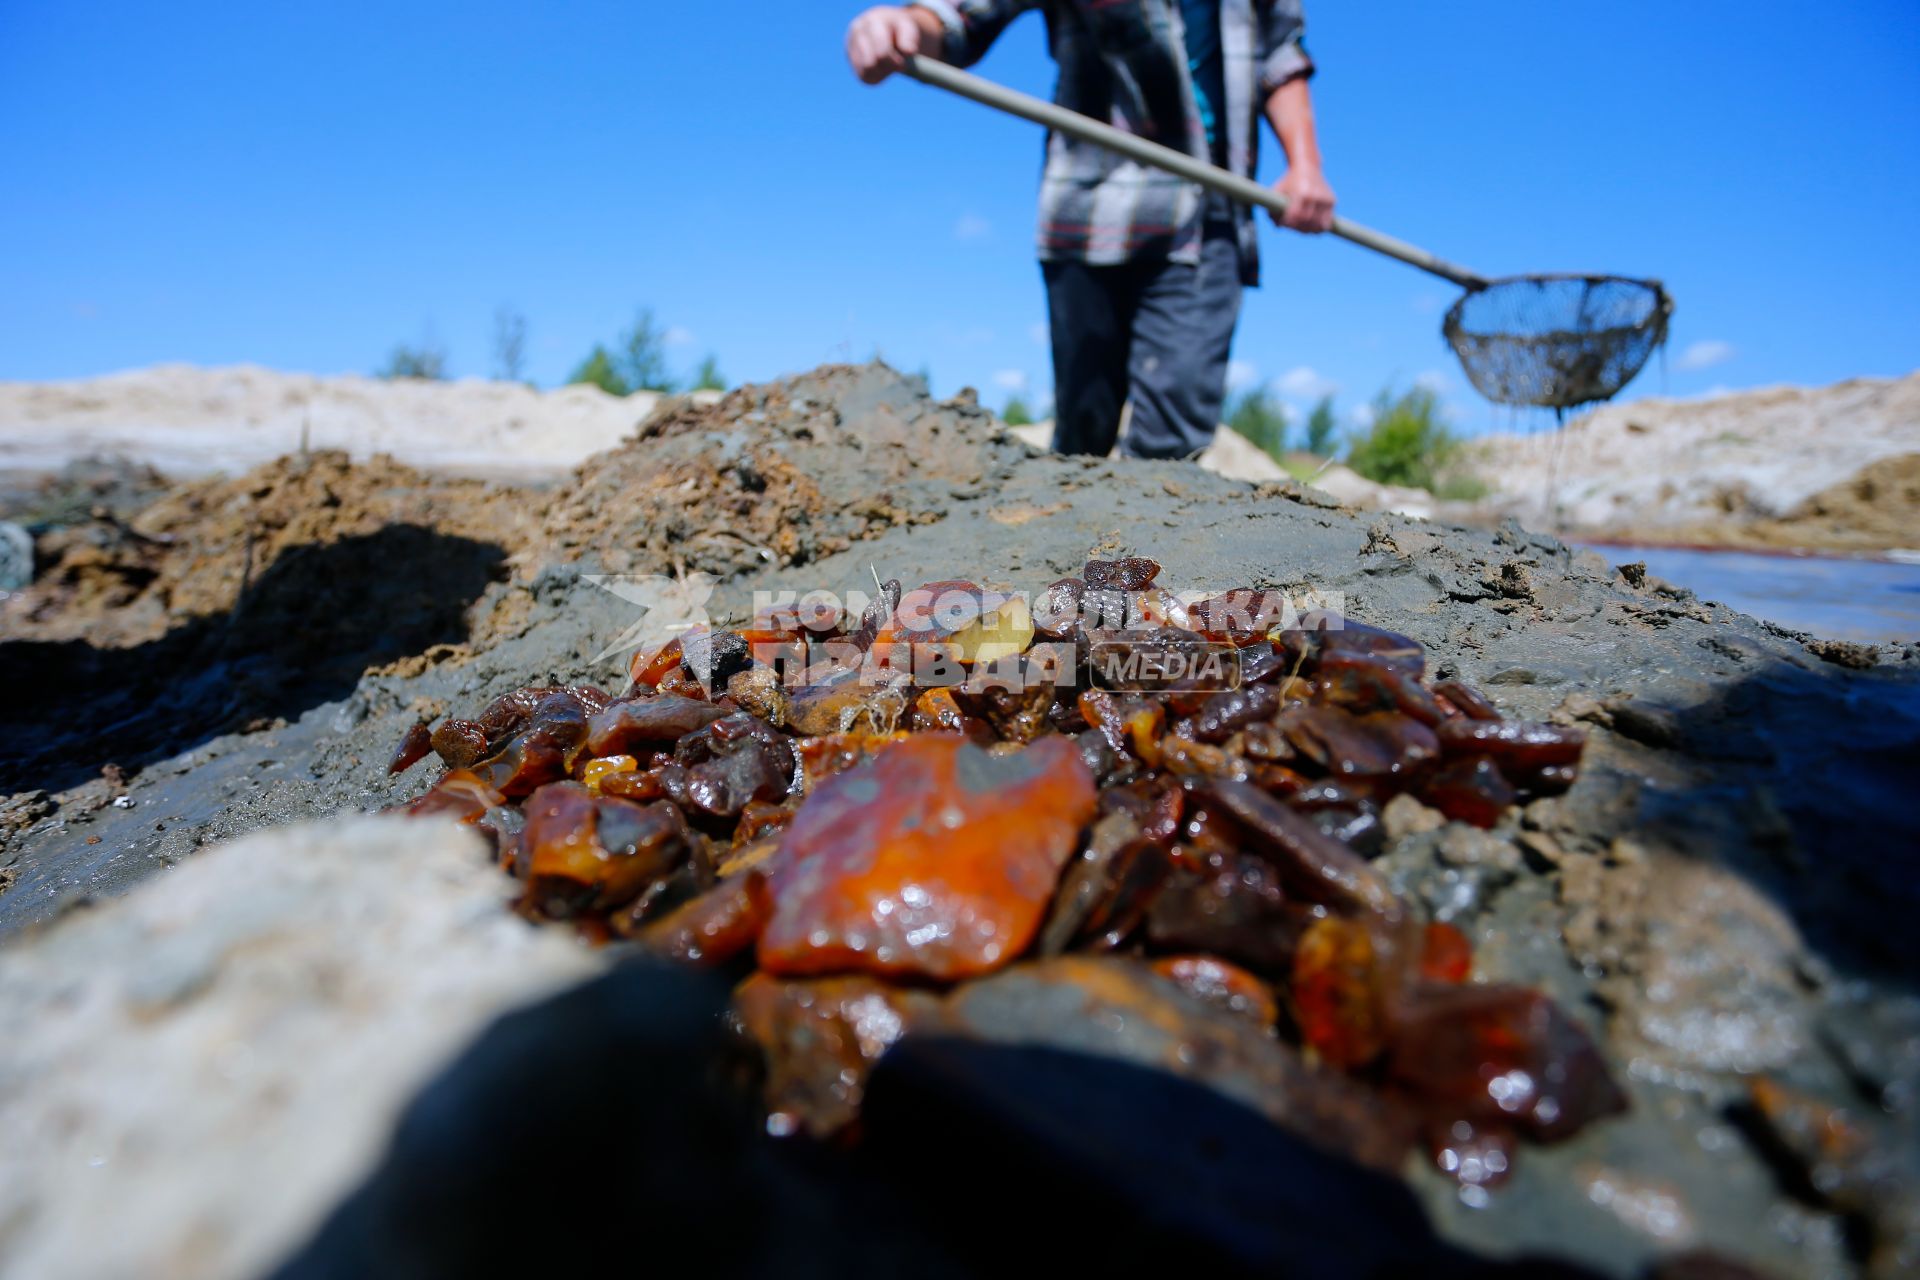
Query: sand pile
pixel 191 421
pixel 1784 466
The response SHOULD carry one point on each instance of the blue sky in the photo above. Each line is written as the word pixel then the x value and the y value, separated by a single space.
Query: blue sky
pixel 302 185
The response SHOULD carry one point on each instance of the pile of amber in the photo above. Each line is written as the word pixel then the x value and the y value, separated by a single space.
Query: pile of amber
pixel 871 850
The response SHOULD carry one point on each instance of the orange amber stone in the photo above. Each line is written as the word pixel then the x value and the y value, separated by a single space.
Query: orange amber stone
pixel 1336 992
pixel 935 858
pixel 1227 986
pixel 649 669
pixel 1445 954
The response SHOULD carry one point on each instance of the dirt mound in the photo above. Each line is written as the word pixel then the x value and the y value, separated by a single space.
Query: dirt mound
pixel 202 546
pixel 776 475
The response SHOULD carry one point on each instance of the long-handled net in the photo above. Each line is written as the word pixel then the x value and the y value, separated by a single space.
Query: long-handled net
pixel 1553 341
pixel 1557 341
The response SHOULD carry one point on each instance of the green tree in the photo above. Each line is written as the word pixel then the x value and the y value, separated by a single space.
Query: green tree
pixel 1408 442
pixel 642 362
pixel 1016 414
pixel 427 360
pixel 708 376
pixel 1255 414
pixel 600 370
pixel 1321 428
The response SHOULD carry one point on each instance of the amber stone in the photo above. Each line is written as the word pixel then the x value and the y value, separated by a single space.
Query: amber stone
pixel 459 795
pixel 713 927
pixel 590 852
pixel 821 1037
pixel 1445 954
pixel 1224 985
pixel 935 858
pixel 1336 992
pixel 1502 1055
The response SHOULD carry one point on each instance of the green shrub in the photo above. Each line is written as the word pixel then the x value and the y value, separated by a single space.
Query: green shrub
pixel 1407 443
pixel 427 360
pixel 599 370
pixel 1016 414
pixel 1255 414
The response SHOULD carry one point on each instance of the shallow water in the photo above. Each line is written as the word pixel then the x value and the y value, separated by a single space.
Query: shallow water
pixel 1834 597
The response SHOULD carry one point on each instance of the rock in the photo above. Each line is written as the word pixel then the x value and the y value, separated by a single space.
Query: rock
pixel 197 1071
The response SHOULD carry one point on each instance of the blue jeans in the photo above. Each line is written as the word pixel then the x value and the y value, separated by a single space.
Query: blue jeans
pixel 1150 332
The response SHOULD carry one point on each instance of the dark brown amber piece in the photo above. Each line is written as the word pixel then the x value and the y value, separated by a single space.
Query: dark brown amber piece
pixel 1467 700
pixel 412 749
pixel 936 857
pixel 1379 744
pixel 1326 633
pixel 1527 746
pixel 459 743
pixel 459 795
pixel 1233 906
pixel 1502 1055
pixel 590 853
pixel 1122 575
pixel 1239 617
pixel 715 927
pixel 1360 682
pixel 1471 789
pixel 821 1037
pixel 1224 985
pixel 636 725
pixel 531 760
pixel 1445 953
pixel 1226 712
pixel 1338 994
pixel 1311 863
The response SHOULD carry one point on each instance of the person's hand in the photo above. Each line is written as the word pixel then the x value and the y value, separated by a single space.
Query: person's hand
pixel 1309 200
pixel 879 40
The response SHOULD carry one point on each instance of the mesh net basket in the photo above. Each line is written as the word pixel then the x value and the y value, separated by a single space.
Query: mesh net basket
pixel 1557 341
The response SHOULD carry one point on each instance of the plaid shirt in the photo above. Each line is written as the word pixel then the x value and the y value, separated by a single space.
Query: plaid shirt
pixel 1125 62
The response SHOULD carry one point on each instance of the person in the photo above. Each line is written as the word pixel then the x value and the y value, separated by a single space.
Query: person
pixel 1143 270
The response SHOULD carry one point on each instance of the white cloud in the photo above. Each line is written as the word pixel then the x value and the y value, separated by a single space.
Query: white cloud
pixel 675 336
pixel 1305 383
pixel 1704 354
pixel 1361 415
pixel 1429 303
pixel 971 226
pixel 1039 333
pixel 1241 374
pixel 978 336
pixel 1438 381
pixel 1013 380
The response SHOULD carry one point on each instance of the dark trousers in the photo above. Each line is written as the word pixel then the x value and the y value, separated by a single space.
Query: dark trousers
pixel 1155 333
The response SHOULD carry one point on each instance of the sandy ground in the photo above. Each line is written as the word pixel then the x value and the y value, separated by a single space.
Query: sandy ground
pixel 1835 468
pixel 188 421
pixel 1716 895
pixel 1828 468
